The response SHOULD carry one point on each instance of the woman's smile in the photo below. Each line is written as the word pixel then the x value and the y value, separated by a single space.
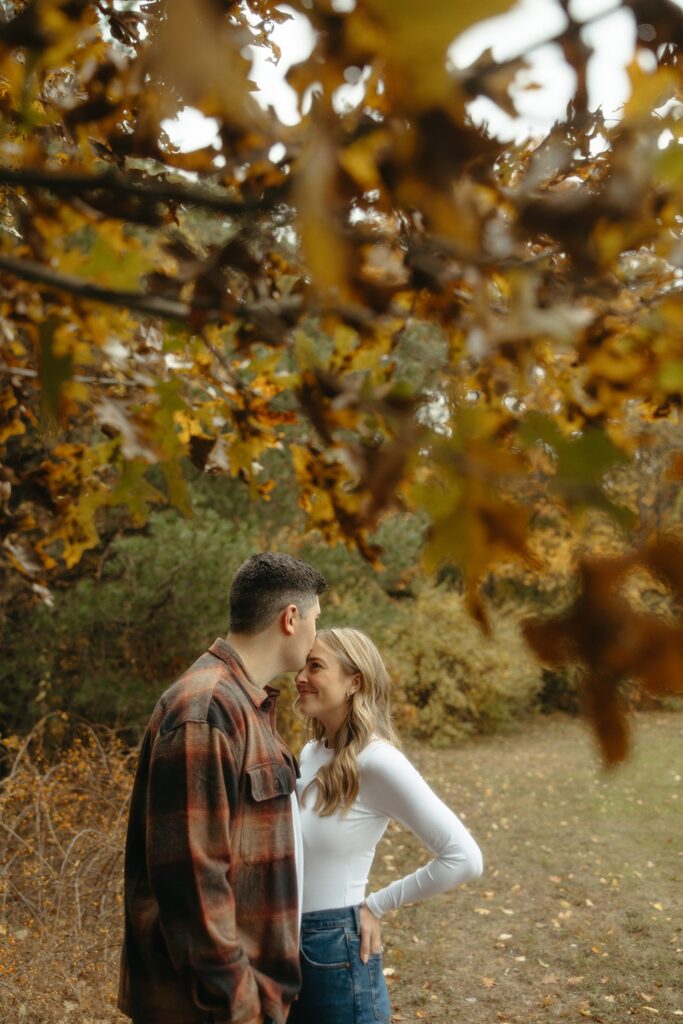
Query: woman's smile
pixel 322 677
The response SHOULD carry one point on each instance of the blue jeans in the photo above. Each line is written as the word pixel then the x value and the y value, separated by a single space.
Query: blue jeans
pixel 338 988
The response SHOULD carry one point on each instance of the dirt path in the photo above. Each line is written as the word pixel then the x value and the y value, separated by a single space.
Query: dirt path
pixel 579 913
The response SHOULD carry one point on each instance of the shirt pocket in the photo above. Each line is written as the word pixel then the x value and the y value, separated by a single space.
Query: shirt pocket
pixel 267 828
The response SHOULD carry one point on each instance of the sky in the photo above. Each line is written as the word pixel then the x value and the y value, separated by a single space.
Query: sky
pixel 612 37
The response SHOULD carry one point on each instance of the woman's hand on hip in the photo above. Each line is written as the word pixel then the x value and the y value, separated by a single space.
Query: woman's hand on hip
pixel 370 934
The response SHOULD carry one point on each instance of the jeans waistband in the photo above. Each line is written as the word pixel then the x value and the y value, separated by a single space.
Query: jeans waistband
pixel 334 918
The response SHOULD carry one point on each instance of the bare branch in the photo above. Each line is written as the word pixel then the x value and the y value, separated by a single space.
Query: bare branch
pixel 70 184
pixel 108 382
pixel 474 76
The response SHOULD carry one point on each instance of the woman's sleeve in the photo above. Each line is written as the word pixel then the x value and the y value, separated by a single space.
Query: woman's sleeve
pixel 392 786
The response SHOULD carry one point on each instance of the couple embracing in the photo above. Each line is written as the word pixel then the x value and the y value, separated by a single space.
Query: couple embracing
pixel 245 873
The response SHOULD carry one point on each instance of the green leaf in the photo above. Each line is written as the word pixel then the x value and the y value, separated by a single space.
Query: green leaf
pixel 670 376
pixel 581 463
pixel 135 492
pixel 55 370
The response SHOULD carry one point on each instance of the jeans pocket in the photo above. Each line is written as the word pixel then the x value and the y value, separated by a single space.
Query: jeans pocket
pixel 381 1005
pixel 326 949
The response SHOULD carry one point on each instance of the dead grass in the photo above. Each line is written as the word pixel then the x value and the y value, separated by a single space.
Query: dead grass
pixel 62 829
pixel 578 915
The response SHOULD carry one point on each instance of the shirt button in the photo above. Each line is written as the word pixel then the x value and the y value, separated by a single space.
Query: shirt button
pixel 278 784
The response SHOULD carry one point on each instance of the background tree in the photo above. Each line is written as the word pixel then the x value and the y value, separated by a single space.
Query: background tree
pixel 419 316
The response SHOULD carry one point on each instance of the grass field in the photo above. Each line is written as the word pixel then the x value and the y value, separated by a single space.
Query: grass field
pixel 579 913
pixel 577 917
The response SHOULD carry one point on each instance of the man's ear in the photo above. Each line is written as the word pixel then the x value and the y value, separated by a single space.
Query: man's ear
pixel 288 619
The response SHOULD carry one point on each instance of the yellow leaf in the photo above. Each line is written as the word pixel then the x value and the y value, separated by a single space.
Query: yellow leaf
pixel 648 91
pixel 324 246
pixel 359 160
pixel 417 38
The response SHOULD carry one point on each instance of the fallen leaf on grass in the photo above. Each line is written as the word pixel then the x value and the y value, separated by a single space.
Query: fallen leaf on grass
pixel 488 982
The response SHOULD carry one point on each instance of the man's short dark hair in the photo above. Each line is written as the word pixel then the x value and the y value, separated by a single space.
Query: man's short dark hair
pixel 265 584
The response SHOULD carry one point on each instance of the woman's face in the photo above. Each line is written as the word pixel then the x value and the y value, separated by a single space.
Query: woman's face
pixel 324 687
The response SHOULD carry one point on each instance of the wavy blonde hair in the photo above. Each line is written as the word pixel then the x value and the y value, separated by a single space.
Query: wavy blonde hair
pixel 368 717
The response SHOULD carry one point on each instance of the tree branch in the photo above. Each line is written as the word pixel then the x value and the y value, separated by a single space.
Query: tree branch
pixel 70 184
pixel 472 78
pixel 147 305
pixel 110 382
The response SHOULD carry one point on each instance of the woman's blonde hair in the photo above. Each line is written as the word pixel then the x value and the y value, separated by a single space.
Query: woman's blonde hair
pixel 368 717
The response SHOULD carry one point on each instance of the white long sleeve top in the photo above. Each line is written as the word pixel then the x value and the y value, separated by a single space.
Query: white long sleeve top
pixel 339 849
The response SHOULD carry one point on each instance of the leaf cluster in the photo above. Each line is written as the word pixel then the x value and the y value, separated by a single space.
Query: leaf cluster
pixel 421 317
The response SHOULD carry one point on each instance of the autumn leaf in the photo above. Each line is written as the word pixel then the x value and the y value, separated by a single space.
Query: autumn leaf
pixel 424 317
pixel 415 48
pixel 473 526
pixel 614 641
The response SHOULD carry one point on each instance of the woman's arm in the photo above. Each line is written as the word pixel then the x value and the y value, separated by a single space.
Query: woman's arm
pixel 392 786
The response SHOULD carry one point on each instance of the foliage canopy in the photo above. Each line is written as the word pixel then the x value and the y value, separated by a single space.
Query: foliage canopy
pixel 420 316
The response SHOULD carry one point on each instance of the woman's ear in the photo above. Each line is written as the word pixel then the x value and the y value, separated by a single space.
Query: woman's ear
pixel 354 685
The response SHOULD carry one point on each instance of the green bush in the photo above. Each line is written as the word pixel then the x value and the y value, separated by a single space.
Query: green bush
pixel 133 616
pixel 452 679
pixel 137 612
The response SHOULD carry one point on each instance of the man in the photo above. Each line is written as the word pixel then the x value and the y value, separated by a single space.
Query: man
pixel 211 900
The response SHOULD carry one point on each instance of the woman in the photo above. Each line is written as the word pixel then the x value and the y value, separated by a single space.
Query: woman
pixel 354 781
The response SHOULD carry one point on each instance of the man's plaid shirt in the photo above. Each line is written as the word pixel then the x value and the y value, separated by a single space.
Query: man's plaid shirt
pixel 211 911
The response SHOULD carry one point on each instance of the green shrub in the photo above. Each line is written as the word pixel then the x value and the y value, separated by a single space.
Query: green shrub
pixel 451 678
pixel 561 689
pixel 136 613
pixel 133 616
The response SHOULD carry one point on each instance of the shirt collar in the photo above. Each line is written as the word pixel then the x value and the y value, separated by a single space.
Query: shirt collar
pixel 220 648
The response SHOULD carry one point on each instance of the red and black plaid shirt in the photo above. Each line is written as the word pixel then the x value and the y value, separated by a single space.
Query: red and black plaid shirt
pixel 211 912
